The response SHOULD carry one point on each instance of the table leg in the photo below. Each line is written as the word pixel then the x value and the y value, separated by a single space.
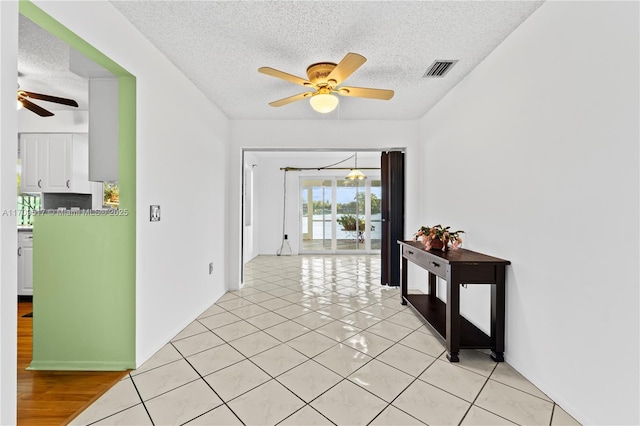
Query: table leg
pixel 453 316
pixel 497 315
pixel 403 281
pixel 432 284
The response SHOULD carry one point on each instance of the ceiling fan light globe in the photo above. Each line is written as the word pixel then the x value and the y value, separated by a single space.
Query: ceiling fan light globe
pixel 324 103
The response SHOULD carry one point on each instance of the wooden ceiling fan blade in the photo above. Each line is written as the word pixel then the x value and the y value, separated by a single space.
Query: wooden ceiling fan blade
pixel 49 98
pixel 290 99
pixel 346 67
pixel 365 92
pixel 35 108
pixel 285 76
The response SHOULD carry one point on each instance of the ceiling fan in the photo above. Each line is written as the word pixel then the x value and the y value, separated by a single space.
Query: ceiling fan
pixel 24 96
pixel 325 77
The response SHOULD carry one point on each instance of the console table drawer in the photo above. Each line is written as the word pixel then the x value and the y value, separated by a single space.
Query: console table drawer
pixel 431 263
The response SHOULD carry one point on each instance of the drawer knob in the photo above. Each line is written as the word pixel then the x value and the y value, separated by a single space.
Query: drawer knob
pixel 409 251
pixel 436 265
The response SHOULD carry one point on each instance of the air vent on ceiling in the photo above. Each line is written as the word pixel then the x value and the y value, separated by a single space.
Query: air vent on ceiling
pixel 439 68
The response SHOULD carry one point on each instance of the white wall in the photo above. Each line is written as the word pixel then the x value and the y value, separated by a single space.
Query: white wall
pixel 8 236
pixel 252 178
pixel 181 152
pixel 304 134
pixel 541 143
pixel 61 122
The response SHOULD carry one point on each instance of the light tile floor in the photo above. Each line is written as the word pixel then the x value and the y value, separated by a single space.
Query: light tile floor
pixel 316 340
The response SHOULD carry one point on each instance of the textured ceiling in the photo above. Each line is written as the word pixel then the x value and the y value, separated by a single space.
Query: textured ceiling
pixel 219 46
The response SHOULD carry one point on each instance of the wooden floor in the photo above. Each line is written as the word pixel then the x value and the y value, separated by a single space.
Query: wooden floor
pixel 53 397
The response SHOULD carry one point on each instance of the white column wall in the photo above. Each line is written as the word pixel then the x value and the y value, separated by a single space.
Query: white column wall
pixel 541 150
pixel 8 193
pixel 181 152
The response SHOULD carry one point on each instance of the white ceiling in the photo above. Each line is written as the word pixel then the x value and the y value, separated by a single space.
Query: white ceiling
pixel 219 46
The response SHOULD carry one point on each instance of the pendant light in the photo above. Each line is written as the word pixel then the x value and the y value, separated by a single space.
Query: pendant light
pixel 356 174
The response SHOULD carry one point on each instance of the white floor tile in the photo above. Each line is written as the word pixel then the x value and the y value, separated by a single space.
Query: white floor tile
pixel 254 343
pixel 265 320
pixel 475 361
pixel 214 359
pixel 311 344
pixel 198 343
pixel 382 380
pixel 562 418
pixel 431 405
pixel 313 320
pixel 348 404
pixel 506 375
pixel 287 330
pixel 267 404
pixel 514 405
pixel 458 381
pixel 236 379
pixel 392 416
pixel 424 343
pixel 360 320
pixel 309 380
pixel 279 359
pixel 219 320
pixel 390 330
pixel 288 320
pixel 165 355
pixel 368 343
pixel 134 416
pixel 479 417
pixel 306 416
pixel 220 416
pixel 404 358
pixel 338 330
pixel 235 330
pixel 192 329
pixel 342 359
pixel 182 404
pixel 165 378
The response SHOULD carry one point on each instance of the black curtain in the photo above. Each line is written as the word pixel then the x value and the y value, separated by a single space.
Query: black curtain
pixel 392 180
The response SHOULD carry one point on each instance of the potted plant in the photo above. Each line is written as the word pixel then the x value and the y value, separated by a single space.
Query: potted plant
pixel 438 237
pixel 348 222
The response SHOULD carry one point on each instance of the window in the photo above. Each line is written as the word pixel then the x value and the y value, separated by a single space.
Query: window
pixel 340 215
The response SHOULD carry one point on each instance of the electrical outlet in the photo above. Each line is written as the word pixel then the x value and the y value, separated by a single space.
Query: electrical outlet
pixel 210 268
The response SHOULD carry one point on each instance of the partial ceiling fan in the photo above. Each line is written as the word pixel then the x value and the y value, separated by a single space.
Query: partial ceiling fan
pixel 325 77
pixel 24 96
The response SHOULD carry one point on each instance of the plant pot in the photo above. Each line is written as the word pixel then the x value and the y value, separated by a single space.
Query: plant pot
pixel 437 245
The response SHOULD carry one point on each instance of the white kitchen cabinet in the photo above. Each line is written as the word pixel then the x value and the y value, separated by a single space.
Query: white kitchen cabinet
pixel 25 263
pixel 54 162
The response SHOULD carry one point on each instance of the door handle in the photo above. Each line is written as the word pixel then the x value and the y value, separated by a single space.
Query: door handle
pixel 68 183
pixel 19 251
pixel 39 181
pixel 409 251
pixel 436 265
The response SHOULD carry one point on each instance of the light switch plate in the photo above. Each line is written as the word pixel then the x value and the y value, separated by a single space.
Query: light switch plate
pixel 154 213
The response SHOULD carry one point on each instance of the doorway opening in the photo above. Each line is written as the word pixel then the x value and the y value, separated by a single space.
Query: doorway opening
pixel 289 197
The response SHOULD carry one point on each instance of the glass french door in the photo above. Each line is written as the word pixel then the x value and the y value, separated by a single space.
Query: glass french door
pixel 340 215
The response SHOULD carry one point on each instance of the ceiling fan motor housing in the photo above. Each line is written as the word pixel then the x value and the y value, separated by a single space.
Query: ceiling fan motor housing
pixel 319 72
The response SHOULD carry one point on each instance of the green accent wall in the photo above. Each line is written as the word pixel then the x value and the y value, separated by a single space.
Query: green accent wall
pixel 84 267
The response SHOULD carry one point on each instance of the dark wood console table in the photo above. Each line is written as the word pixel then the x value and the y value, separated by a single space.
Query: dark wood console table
pixel 457 267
